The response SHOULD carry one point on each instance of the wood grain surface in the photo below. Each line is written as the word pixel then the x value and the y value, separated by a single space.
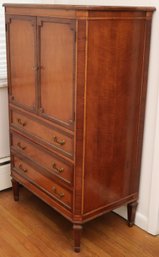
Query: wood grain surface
pixel 51 234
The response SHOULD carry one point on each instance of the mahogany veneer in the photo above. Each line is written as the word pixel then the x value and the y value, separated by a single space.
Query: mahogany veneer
pixel 77 80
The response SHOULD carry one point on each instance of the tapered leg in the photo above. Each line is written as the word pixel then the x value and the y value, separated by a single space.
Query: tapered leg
pixel 77 229
pixel 15 186
pixel 131 209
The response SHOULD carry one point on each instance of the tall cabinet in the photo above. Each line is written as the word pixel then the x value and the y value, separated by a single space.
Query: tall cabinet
pixel 77 80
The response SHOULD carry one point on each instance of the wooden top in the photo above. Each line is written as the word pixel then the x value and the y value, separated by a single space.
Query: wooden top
pixel 83 7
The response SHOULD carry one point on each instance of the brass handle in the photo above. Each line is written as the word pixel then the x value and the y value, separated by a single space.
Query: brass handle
pixel 35 68
pixel 60 142
pixel 21 122
pixel 60 195
pixel 57 170
pixel 23 169
pixel 20 146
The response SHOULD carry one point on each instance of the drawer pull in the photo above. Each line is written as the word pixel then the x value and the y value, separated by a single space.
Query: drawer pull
pixel 20 146
pixel 60 195
pixel 21 122
pixel 62 142
pixel 21 168
pixel 57 170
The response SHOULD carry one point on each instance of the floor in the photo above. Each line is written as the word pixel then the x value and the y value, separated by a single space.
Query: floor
pixel 30 228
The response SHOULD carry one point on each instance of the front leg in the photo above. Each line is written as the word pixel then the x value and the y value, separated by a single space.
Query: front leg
pixel 131 209
pixel 77 229
pixel 15 187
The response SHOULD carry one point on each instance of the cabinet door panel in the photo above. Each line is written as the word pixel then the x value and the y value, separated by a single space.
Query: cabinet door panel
pixel 57 70
pixel 22 75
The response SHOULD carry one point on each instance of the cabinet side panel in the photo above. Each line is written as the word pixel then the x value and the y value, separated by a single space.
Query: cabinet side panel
pixel 114 88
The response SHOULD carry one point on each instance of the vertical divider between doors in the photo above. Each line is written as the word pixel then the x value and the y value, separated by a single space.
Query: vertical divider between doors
pixel 34 24
pixel 38 55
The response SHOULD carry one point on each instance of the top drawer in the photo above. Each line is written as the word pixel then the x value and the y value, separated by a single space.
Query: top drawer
pixel 56 139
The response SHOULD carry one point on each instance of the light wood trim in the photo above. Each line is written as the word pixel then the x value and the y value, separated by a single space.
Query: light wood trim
pixel 104 209
pixel 68 14
pixel 85 108
pixel 41 12
pixel 82 7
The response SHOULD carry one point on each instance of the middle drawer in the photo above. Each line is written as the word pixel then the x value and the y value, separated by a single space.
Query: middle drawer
pixel 49 161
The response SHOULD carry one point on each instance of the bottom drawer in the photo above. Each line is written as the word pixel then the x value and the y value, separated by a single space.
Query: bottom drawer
pixel 45 184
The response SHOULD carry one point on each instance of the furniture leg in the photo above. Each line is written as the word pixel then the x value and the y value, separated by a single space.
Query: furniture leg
pixel 131 209
pixel 77 237
pixel 15 186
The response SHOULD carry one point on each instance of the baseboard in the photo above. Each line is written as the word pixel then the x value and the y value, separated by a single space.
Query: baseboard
pixel 5 178
pixel 140 220
pixel 4 160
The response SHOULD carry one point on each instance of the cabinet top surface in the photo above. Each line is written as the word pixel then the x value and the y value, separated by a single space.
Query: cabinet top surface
pixel 83 7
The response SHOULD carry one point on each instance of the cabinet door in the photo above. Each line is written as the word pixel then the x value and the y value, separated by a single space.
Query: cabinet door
pixel 21 60
pixel 57 54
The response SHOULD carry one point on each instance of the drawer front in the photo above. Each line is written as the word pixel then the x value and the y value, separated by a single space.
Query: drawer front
pixel 53 138
pixel 54 165
pixel 45 184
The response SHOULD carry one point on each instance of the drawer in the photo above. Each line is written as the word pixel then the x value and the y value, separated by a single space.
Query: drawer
pixel 55 139
pixel 54 165
pixel 47 185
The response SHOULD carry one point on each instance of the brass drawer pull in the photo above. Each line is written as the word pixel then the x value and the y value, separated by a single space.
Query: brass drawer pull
pixel 57 170
pixel 62 142
pixel 21 122
pixel 60 195
pixel 20 146
pixel 21 168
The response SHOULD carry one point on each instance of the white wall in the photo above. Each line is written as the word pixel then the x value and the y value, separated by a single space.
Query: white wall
pixel 148 210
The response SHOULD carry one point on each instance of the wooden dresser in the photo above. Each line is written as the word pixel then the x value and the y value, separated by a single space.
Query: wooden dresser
pixel 77 80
